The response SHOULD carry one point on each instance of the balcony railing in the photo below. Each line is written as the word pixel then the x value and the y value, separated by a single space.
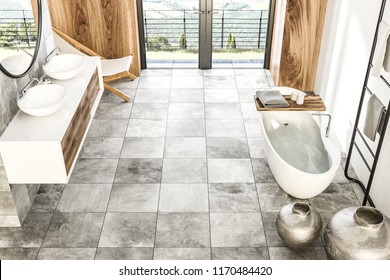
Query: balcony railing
pixel 17 28
pixel 168 30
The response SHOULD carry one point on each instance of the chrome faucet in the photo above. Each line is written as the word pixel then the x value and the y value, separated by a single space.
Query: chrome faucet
pixel 24 90
pixel 327 131
pixel 48 56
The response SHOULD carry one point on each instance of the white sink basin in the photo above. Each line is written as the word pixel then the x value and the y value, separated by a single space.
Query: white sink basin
pixel 64 66
pixel 42 100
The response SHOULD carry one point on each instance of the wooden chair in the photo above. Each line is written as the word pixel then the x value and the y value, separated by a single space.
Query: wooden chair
pixel 112 69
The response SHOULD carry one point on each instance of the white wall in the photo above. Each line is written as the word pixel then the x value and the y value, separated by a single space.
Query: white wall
pixel 346 45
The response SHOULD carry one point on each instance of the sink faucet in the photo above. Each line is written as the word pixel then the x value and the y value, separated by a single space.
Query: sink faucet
pixel 329 121
pixel 48 56
pixel 24 90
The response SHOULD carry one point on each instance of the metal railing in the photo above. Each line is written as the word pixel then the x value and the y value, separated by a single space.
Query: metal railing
pixel 239 30
pixel 17 28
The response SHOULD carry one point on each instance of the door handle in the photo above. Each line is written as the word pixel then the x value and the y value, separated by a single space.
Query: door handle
pixel 197 12
pixel 214 12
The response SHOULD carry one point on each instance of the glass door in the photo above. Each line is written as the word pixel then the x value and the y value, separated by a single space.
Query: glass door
pixel 239 33
pixel 171 33
pixel 205 33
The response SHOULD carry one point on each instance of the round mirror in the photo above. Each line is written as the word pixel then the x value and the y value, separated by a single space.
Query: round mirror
pixel 19 36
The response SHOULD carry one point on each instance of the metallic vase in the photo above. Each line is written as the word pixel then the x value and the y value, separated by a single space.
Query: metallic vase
pixel 298 225
pixel 358 233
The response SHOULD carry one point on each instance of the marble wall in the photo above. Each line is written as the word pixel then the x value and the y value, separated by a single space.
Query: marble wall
pixel 16 200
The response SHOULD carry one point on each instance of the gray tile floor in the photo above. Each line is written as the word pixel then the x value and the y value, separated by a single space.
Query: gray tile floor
pixel 178 173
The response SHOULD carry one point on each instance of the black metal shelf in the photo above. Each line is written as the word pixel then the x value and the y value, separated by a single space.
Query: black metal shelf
pixel 356 131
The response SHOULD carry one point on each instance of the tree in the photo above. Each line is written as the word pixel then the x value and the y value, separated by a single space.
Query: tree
pixel 231 41
pixel 158 43
pixel 183 41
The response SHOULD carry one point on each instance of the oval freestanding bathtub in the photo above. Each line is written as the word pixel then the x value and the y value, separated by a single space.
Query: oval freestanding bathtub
pixel 302 160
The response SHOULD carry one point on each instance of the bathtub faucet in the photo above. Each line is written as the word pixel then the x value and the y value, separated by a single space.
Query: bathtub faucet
pixel 329 121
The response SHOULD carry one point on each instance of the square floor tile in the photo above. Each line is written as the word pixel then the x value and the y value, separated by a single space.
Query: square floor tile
pixel 138 171
pixel 85 198
pixel 18 253
pixel 188 147
pixel 107 128
pixel 284 253
pixel 221 95
pixel 128 230
pixel 66 254
pixel 259 253
pixel 230 171
pixel 186 128
pixel 182 254
pixel 186 111
pixel 219 82
pixel 146 128
pixel 156 72
pixel 29 235
pixel 134 198
pixel 149 111
pixel 90 171
pixel 253 128
pixel 258 81
pixel 249 72
pixel 184 171
pixel 186 72
pixel 183 230
pixel 159 95
pixel 184 198
pixel 154 82
pixel 223 111
pixel 335 198
pixel 101 148
pixel 226 198
pixel 124 253
pixel 227 148
pixel 272 198
pixel 247 95
pixel 138 147
pixel 218 72
pixel 187 82
pixel 262 171
pixel 47 198
pixel 256 147
pixel 113 111
pixel 249 111
pixel 187 95
pixel 225 128
pixel 237 230
pixel 75 230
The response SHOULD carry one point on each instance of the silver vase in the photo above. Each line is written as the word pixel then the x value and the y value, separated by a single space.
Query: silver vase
pixel 298 225
pixel 358 233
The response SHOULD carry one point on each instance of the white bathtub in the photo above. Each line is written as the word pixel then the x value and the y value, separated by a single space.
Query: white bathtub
pixel 302 160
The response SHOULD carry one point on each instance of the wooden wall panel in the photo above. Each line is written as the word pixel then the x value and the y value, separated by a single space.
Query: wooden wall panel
pixel 301 42
pixel 108 27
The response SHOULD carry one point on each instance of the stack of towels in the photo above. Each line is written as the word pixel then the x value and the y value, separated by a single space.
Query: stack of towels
pixel 272 98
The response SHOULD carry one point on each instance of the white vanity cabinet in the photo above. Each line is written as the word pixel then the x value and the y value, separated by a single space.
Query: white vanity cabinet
pixel 43 150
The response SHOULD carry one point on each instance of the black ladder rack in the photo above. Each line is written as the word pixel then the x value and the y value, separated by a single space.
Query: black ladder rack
pixel 356 130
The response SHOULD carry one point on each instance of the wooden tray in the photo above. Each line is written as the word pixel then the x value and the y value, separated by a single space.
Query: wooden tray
pixel 312 103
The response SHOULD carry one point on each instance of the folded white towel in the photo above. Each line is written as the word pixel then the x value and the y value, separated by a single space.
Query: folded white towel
pixel 272 98
pixel 374 117
pixel 382 53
